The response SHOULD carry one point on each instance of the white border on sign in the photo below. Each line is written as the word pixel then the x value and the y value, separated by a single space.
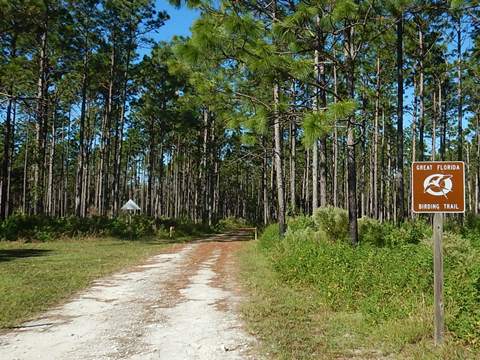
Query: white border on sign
pixel 438 162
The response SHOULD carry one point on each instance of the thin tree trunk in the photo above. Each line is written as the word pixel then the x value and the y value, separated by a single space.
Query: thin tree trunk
pixel 119 139
pixel 335 142
pixel 315 176
pixel 278 162
pixel 25 172
pixel 151 169
pixel 6 161
pixel 266 207
pixel 414 120
pixel 421 127
pixel 293 150
pixel 375 143
pixel 459 89
pixel 434 126
pixel 105 151
pixel 322 102
pixel 442 124
pixel 204 167
pixel 351 164
pixel 51 160
pixel 81 153
pixel 477 188
pixel 400 189
pixel 41 119
pixel 278 158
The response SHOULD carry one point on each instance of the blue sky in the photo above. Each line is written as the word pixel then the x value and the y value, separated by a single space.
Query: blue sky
pixel 179 23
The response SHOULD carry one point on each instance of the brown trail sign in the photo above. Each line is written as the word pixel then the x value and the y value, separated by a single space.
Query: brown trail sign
pixel 438 187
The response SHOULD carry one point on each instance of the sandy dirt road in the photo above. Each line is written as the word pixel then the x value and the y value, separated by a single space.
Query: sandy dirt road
pixel 178 305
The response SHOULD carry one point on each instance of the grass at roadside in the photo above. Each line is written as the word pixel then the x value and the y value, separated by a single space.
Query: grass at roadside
pixel 35 276
pixel 293 323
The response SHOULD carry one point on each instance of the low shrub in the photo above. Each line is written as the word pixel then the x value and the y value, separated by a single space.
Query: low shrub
pixel 472 223
pixel 371 231
pixel 270 237
pixel 300 223
pixel 471 230
pixel 389 282
pixel 333 222
pixel 409 232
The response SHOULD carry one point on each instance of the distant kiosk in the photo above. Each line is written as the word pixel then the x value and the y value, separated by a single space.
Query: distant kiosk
pixel 131 206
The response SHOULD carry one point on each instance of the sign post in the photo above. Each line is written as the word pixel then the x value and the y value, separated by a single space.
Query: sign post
pixel 438 187
pixel 438 278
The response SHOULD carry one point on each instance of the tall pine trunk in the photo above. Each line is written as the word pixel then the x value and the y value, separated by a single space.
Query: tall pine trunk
pixel 459 89
pixel 351 165
pixel 400 179
pixel 41 115
pixel 375 142
pixel 80 178
pixel 421 95
pixel 323 139
pixel 278 162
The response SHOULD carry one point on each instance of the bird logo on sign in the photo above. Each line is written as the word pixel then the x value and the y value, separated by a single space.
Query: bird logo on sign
pixel 438 184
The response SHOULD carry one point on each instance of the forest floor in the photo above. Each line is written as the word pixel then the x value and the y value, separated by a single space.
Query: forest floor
pixel 180 304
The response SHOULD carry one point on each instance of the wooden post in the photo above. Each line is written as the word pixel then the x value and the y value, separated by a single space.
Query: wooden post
pixel 256 233
pixel 438 277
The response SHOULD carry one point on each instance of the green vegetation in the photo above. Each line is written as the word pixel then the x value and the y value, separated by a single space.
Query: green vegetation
pixel 35 276
pixel 231 223
pixel 314 295
pixel 43 228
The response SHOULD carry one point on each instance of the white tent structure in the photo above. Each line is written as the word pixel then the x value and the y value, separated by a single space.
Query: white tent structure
pixel 130 205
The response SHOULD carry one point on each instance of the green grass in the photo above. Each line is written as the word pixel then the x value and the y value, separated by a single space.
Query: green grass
pixel 293 322
pixel 36 276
